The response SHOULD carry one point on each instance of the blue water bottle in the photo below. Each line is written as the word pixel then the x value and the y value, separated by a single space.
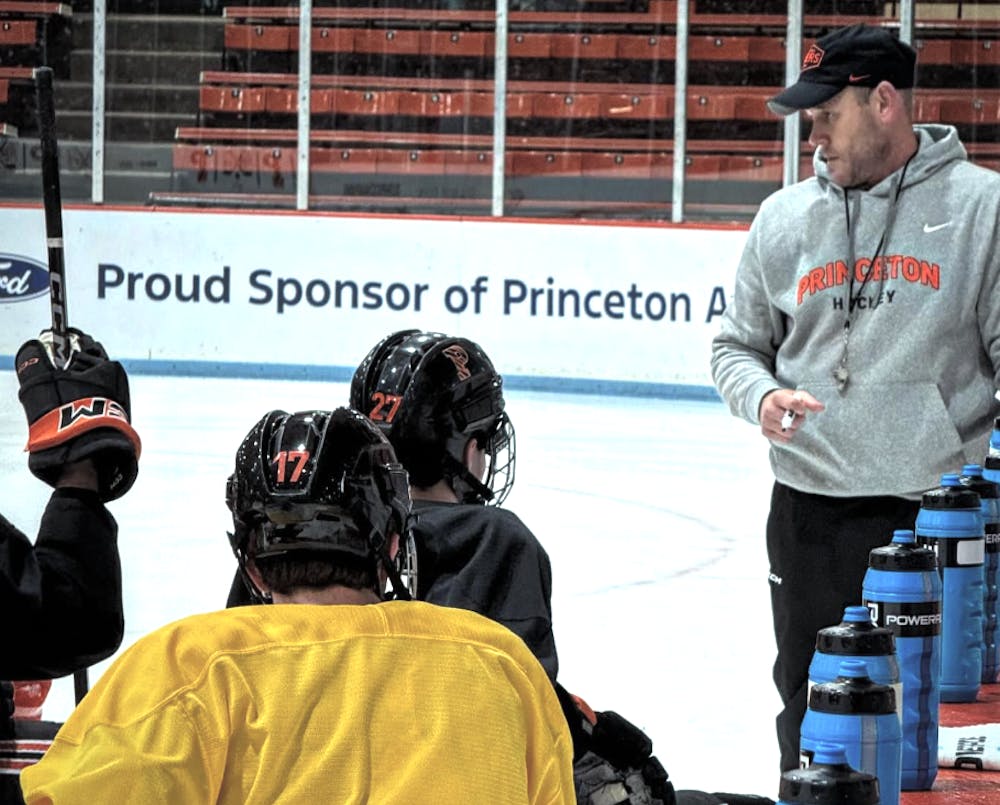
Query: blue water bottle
pixel 856 638
pixel 950 522
pixel 991 472
pixel 860 715
pixel 989 499
pixel 902 588
pixel 830 780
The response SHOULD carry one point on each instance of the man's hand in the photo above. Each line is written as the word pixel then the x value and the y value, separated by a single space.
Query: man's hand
pixel 783 411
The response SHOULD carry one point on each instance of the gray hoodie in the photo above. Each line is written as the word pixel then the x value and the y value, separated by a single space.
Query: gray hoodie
pixel 923 353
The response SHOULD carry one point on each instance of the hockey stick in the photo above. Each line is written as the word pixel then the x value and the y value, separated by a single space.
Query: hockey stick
pixel 52 200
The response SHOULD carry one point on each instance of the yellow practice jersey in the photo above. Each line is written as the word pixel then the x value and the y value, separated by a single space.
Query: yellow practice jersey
pixel 400 702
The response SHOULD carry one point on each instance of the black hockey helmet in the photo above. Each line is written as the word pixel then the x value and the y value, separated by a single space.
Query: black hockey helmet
pixel 319 483
pixel 430 393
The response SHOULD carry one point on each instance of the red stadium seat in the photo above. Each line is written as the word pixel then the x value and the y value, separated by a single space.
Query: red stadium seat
pixel 331 40
pixel 584 46
pixel 623 165
pixel 975 108
pixel 468 163
pixel 364 101
pixel 344 160
pixel 637 107
pixel 259 37
pixel 17 32
pixel 646 48
pixel 538 163
pixel 571 104
pixel 457 43
pixel 529 46
pixel 232 99
pixel 974 52
pixel 389 41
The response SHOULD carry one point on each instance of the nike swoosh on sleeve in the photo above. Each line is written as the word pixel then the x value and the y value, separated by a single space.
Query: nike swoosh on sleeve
pixel 928 228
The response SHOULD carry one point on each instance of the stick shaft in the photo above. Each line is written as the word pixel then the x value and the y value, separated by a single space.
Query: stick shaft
pixel 52 200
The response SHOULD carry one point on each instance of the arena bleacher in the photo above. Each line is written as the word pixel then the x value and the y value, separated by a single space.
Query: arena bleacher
pixel 402 102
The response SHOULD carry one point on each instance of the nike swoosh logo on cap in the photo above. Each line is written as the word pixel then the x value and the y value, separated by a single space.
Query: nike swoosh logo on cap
pixel 928 228
pixel 855 78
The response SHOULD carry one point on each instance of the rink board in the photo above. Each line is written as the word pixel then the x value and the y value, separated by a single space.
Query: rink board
pixel 568 305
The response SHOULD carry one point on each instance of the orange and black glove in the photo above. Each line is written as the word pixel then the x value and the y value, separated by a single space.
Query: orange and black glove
pixel 80 411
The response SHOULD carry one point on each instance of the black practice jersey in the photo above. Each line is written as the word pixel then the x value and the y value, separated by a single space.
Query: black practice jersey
pixel 485 559
pixel 61 600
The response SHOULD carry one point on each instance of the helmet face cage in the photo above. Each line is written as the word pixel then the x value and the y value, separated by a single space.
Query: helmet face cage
pixel 430 394
pixel 478 411
pixel 316 483
pixel 500 449
pixel 406 564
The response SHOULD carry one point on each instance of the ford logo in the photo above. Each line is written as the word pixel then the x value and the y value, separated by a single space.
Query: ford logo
pixel 21 278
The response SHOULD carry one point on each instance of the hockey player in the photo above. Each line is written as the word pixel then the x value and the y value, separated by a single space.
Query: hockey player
pixel 439 401
pixel 381 701
pixel 61 597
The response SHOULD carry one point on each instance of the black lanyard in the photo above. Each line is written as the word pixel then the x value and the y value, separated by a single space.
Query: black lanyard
pixel 841 374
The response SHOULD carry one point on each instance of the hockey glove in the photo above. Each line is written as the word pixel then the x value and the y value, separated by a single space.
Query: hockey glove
pixel 612 756
pixel 78 412
pixel 619 740
pixel 597 782
pixel 630 751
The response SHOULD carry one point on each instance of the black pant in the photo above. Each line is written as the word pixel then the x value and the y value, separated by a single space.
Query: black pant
pixel 818 548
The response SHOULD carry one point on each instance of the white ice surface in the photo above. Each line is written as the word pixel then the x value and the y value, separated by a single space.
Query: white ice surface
pixel 652 512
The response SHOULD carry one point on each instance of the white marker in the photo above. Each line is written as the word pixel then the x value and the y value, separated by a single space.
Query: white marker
pixel 787 420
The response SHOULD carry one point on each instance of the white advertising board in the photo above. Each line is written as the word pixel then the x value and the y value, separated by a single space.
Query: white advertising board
pixel 568 306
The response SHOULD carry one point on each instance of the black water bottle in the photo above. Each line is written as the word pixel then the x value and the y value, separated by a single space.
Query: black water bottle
pixel 828 781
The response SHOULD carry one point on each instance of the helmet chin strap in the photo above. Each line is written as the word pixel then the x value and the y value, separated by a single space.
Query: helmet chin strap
pixel 399 590
pixel 257 596
pixel 466 486
pixel 237 541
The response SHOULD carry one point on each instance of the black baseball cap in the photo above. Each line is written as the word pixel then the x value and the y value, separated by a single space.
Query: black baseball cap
pixel 856 56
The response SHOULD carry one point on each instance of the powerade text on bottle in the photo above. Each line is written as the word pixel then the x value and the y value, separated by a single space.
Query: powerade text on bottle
pixel 828 781
pixel 989 506
pixel 860 715
pixel 950 522
pixel 856 638
pixel 902 588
